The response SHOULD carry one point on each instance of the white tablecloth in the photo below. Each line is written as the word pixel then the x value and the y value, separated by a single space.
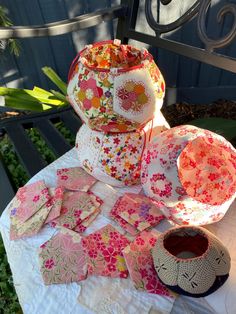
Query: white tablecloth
pixel 100 294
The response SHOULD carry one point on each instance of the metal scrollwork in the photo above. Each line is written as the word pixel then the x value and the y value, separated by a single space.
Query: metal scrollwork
pixel 211 44
pixel 200 8
pixel 165 28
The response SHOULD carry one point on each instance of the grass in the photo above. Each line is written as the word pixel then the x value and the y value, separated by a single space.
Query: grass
pixel 8 299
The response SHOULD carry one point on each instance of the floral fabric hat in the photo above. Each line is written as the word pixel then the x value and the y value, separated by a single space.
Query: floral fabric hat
pixel 115 158
pixel 193 172
pixel 115 87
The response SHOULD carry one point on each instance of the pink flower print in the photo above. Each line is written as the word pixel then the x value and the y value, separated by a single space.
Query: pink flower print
pixel 64 210
pixel 64 177
pixel 110 255
pixel 111 267
pixel 126 105
pixel 44 191
pixel 140 241
pixel 123 94
pixel 66 225
pixel 131 211
pixel 152 241
pixel 78 221
pixel 92 253
pixel 77 213
pixel 97 237
pixel 36 198
pixel 116 140
pixel 114 235
pixel 89 93
pixel 213 176
pixel 49 263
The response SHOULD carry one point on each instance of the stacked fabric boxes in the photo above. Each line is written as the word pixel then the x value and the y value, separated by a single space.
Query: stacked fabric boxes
pixel 117 90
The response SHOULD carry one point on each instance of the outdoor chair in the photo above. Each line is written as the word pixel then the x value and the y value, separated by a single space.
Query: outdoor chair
pixel 126 15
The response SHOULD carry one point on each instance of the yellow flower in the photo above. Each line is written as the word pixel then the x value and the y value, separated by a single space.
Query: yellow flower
pixel 120 264
pixel 107 169
pixel 81 95
pixel 105 238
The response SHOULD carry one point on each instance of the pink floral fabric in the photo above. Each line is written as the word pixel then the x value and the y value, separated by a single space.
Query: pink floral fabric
pixel 56 195
pixel 140 211
pixel 104 252
pixel 75 179
pixel 32 225
pixel 122 222
pixel 140 264
pixel 207 171
pixel 76 207
pixel 112 158
pixel 115 88
pixel 30 199
pixel 82 227
pixel 192 171
pixel 87 221
pixel 62 259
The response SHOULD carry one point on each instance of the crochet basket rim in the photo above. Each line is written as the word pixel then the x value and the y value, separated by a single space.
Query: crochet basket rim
pixel 177 229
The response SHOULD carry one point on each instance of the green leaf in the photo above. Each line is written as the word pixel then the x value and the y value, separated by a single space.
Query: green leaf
pixel 52 75
pixel 224 127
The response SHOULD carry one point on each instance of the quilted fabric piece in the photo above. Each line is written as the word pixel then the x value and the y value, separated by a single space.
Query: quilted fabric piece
pixel 75 179
pixel 140 211
pixel 80 228
pixel 122 222
pixel 87 221
pixel 193 172
pixel 31 198
pixel 115 88
pixel 104 253
pixel 112 158
pixel 56 195
pixel 76 207
pixel 31 226
pixel 140 264
pixel 62 259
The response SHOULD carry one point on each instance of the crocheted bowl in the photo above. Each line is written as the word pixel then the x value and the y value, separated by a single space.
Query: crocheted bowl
pixel 115 158
pixel 193 172
pixel 191 261
pixel 114 87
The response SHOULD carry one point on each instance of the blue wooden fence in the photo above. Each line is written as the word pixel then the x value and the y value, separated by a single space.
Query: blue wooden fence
pixel 196 83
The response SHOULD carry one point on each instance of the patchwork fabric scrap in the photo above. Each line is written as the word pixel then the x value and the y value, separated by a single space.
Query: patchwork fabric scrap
pixel 30 198
pixel 62 259
pixel 87 221
pixel 140 211
pixel 75 179
pixel 56 202
pixel 140 264
pixel 122 222
pixel 76 207
pixel 104 252
pixel 31 226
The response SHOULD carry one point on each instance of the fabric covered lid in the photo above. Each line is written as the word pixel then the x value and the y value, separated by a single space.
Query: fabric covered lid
pixel 115 87
pixel 115 158
pixel 191 261
pixel 193 172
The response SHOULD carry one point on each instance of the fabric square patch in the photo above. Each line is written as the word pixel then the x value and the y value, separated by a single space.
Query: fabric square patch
pixel 31 226
pixel 76 207
pixel 104 252
pixel 62 259
pixel 75 179
pixel 31 198
pixel 56 202
pixel 140 264
pixel 85 224
pixel 140 211
pixel 123 223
